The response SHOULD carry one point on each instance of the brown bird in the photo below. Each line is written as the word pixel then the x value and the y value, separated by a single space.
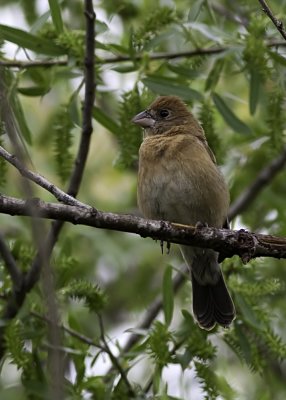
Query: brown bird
pixel 179 181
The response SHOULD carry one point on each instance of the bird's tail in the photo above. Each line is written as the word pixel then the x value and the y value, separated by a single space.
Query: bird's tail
pixel 212 303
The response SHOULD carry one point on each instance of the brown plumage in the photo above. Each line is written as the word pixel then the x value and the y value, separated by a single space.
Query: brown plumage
pixel 179 181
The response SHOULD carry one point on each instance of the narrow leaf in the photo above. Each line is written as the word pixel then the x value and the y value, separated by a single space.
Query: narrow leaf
pixel 105 121
pixel 168 86
pixel 254 91
pixel 56 15
pixel 20 118
pixel 40 22
pixel 247 312
pixel 168 295
pixel 125 68
pixel 277 57
pixel 117 48
pixel 244 343
pixel 34 91
pixel 230 118
pixel 29 41
pixel 181 70
pixel 214 74
pixel 195 10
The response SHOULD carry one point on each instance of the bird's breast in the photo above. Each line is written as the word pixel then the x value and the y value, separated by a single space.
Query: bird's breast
pixel 178 181
pixel 161 184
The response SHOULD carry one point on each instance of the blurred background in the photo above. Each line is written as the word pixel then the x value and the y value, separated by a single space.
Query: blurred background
pixel 237 91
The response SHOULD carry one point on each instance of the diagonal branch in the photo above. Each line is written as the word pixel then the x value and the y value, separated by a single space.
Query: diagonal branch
pixel 276 22
pixel 154 309
pixel 40 180
pixel 265 176
pixel 71 332
pixel 10 264
pixel 115 362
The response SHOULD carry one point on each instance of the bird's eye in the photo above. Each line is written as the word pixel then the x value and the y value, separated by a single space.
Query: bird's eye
pixel 164 113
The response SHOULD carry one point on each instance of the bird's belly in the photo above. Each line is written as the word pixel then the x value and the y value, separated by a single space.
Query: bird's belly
pixel 160 197
pixel 169 194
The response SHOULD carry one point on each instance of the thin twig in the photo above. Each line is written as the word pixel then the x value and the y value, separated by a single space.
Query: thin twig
pixel 229 15
pixel 40 180
pixel 10 264
pixel 20 64
pixel 154 309
pixel 276 22
pixel 71 332
pixel 264 177
pixel 114 359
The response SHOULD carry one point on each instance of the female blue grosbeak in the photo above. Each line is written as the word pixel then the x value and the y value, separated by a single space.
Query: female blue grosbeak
pixel 179 181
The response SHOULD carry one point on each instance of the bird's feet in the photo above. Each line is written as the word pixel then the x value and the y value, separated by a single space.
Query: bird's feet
pixel 168 247
pixel 200 225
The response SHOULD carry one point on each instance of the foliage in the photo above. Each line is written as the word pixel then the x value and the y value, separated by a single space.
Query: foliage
pixel 226 60
pixel 62 128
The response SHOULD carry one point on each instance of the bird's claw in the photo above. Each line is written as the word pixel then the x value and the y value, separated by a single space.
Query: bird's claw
pixel 200 225
pixel 162 246
pixel 168 247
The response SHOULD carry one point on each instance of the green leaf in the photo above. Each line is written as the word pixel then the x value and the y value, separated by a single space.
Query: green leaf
pixel 56 15
pixel 212 33
pixel 168 295
pixel 195 10
pixel 169 86
pixel 214 74
pixel 34 91
pixel 117 48
pixel 244 344
pixel 40 22
pixel 100 26
pixel 29 41
pixel 105 121
pixel 277 57
pixel 186 71
pixel 20 118
pixel 125 68
pixel 247 312
pixel 254 90
pixel 230 118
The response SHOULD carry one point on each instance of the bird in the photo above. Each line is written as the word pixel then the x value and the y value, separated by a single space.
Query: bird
pixel 179 181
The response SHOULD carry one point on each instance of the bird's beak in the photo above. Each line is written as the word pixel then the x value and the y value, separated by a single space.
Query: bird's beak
pixel 144 119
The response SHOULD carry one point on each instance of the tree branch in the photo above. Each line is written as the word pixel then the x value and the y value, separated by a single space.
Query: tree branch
pixel 71 332
pixel 264 177
pixel 155 308
pixel 15 302
pixel 116 364
pixel 80 162
pixel 276 22
pixel 245 244
pixel 10 263
pixel 40 180
pixel 20 64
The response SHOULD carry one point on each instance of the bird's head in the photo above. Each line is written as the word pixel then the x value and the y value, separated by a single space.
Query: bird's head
pixel 163 114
